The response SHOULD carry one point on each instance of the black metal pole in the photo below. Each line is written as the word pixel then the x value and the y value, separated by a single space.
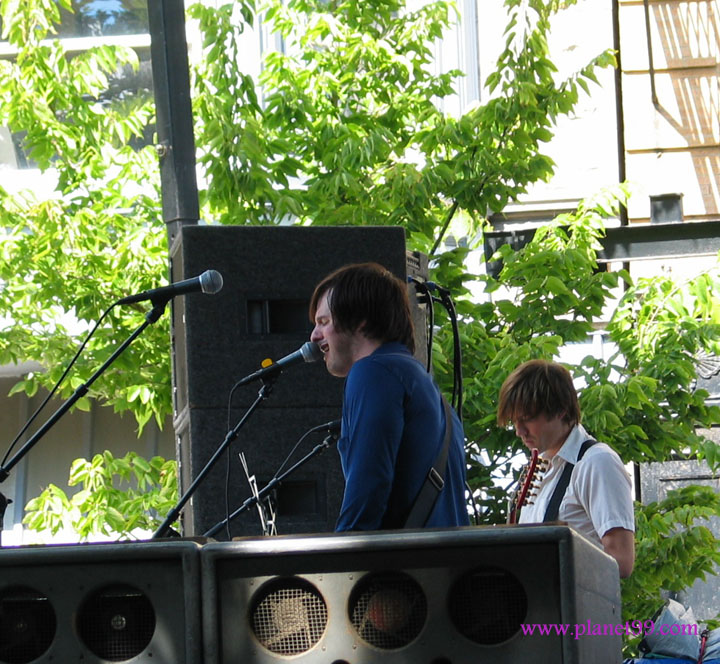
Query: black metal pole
pixel 176 143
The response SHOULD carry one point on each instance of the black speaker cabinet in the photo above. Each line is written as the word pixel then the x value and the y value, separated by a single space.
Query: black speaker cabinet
pixel 457 596
pixel 262 312
pixel 135 602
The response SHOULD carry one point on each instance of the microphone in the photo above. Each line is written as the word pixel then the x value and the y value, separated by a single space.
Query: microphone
pixel 209 282
pixel 427 285
pixel 329 427
pixel 308 352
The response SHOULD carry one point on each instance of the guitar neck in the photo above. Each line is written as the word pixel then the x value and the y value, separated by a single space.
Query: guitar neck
pixel 526 483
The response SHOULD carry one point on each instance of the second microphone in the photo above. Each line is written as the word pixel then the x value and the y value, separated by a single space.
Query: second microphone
pixel 308 352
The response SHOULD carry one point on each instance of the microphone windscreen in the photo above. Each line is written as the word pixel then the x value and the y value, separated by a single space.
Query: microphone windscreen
pixel 211 282
pixel 311 351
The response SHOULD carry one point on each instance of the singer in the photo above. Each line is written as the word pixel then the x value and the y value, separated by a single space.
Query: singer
pixel 393 420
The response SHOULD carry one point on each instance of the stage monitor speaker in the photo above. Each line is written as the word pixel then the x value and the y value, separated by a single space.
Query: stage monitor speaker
pixel 262 312
pixel 456 596
pixel 98 603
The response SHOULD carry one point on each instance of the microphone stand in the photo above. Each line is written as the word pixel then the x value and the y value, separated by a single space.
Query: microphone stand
pixel 151 317
pixel 164 529
pixel 256 498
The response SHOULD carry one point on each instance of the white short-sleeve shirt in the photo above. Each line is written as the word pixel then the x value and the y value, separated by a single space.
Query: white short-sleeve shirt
pixel 599 495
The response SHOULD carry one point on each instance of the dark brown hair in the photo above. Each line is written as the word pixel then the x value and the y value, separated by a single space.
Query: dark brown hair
pixel 369 298
pixel 538 387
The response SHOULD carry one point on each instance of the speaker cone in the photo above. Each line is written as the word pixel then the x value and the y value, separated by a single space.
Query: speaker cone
pixel 388 610
pixel 116 623
pixel 487 605
pixel 288 616
pixel 27 625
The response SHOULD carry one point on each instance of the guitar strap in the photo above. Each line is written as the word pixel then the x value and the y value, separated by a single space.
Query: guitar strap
pixel 434 482
pixel 553 508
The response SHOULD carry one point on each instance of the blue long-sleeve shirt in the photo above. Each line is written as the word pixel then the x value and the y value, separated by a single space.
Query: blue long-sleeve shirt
pixel 393 425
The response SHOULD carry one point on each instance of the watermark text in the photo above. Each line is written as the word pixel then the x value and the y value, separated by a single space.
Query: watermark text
pixel 630 628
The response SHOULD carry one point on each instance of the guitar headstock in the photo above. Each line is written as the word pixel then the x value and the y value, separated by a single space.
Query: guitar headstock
pixel 528 482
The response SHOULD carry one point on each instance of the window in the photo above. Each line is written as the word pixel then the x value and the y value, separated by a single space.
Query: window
pixel 94 22
pixel 104 18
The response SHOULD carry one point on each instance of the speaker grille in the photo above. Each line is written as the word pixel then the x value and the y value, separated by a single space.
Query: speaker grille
pixel 27 625
pixel 116 623
pixel 288 616
pixel 487 605
pixel 388 610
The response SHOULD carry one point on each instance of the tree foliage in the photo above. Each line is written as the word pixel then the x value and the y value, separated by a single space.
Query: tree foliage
pixel 345 127
pixel 119 497
pixel 65 257
pixel 675 547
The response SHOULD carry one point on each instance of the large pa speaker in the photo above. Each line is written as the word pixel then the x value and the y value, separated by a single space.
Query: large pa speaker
pixel 262 312
pixel 456 596
pixel 98 603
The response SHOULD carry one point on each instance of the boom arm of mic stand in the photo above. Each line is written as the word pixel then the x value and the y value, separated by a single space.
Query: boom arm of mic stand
pixel 231 435
pixel 152 316
pixel 81 391
pixel 252 500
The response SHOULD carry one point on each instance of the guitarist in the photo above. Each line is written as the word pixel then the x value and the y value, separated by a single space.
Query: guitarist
pixel 586 484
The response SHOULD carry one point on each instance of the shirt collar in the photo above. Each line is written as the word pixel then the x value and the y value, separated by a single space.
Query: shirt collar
pixel 391 347
pixel 571 447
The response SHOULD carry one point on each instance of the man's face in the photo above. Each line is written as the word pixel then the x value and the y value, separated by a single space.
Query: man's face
pixel 542 433
pixel 338 347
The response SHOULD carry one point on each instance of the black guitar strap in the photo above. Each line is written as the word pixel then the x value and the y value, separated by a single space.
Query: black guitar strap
pixel 435 480
pixel 553 508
